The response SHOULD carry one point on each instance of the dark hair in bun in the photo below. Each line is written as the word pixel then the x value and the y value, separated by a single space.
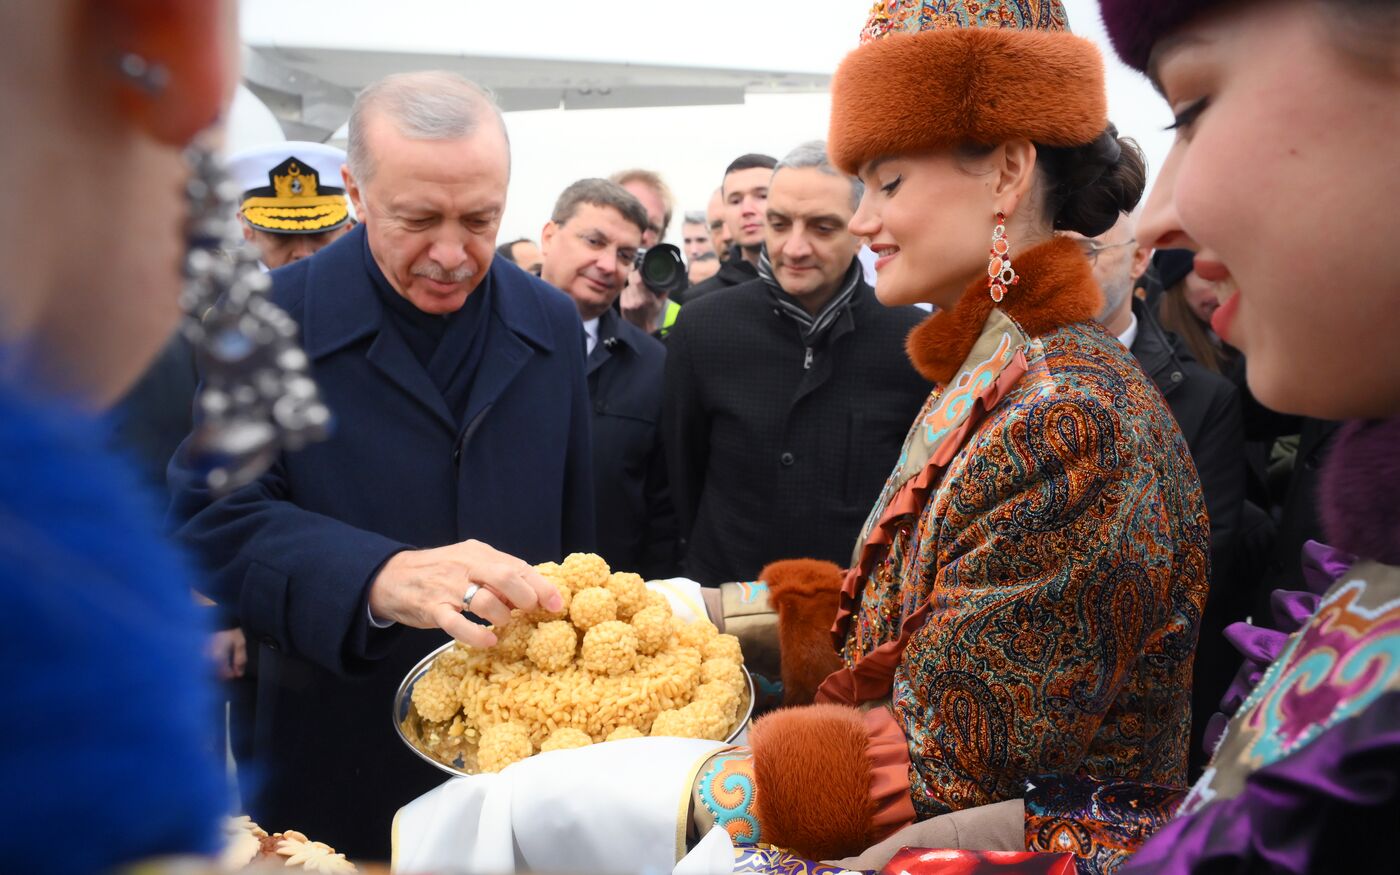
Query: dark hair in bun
pixel 1090 186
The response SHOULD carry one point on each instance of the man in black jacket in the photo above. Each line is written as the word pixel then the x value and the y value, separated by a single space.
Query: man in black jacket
pixel 744 198
pixel 788 397
pixel 1208 409
pixel 589 247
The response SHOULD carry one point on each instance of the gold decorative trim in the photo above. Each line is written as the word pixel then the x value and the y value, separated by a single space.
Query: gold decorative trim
pixel 683 814
pixel 274 216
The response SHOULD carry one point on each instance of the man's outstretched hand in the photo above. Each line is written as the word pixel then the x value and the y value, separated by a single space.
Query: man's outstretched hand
pixel 425 588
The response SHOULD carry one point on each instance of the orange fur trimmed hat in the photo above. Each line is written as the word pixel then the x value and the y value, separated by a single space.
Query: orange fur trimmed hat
pixel 939 73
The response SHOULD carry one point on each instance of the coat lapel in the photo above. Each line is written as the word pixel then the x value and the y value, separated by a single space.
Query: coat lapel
pixel 519 330
pixel 391 356
pixel 607 337
pixel 342 308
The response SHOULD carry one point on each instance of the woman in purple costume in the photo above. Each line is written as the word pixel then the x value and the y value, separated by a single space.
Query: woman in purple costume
pixel 1286 162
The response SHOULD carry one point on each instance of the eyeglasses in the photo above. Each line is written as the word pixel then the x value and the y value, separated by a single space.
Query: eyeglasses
pixel 1093 250
pixel 597 242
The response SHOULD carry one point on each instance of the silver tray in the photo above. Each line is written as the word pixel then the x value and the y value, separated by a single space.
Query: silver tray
pixel 409 725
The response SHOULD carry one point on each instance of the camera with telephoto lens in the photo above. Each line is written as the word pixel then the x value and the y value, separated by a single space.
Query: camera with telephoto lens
pixel 663 269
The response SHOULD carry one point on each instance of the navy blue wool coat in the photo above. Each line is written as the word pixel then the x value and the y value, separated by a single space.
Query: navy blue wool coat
pixel 294 552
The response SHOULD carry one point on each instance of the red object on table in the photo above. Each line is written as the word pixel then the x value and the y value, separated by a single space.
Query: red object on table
pixel 925 861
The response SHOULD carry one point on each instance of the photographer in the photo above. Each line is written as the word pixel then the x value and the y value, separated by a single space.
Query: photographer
pixel 646 303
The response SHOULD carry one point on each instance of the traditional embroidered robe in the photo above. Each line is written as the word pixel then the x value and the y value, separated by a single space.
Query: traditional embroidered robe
pixel 1027 589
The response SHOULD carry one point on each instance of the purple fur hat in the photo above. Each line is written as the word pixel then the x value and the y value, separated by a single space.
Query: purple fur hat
pixel 1136 25
pixel 1357 492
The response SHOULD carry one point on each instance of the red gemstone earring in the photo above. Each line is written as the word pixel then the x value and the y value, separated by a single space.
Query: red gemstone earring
pixel 1000 274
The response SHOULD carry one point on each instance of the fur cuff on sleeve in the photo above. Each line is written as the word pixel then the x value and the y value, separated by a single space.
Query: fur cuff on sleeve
pixel 805 593
pixel 833 781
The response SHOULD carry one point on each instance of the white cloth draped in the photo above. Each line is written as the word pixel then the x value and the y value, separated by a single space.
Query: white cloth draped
pixel 617 806
pixel 593 809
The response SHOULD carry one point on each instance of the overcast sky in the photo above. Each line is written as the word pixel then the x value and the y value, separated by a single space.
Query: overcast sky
pixel 689 146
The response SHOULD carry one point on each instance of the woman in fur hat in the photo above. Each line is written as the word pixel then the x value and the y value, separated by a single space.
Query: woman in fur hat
pixel 1024 599
pixel 1025 596
pixel 1285 155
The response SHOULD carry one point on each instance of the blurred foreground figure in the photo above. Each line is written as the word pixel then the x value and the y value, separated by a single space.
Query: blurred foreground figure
pixel 105 755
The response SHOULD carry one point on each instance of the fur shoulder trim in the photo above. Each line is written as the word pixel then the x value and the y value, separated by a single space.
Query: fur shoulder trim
pixel 1057 288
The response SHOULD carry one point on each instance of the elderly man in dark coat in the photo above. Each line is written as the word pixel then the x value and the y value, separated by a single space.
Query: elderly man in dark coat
pixel 458 386
pixel 589 246
pixel 788 397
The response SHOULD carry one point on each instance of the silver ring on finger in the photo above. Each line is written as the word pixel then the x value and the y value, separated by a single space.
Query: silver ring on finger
pixel 471 593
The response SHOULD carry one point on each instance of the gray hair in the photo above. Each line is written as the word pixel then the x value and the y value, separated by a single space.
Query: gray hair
pixel 695 217
pixel 812 154
pixel 429 105
pixel 600 193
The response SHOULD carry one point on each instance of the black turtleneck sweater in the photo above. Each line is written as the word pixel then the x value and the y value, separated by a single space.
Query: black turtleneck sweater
pixel 449 347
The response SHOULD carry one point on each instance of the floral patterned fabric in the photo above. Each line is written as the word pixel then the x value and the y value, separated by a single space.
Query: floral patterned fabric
pixel 765 860
pixel 1063 554
pixel 1101 822
pixel 916 16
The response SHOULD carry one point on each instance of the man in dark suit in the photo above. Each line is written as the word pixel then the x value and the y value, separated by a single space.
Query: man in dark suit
pixel 457 382
pixel 589 247
pixel 788 397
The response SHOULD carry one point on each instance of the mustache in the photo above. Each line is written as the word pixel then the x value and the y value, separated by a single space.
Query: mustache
pixel 438 274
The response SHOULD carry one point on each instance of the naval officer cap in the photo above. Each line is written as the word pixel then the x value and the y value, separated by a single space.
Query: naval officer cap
pixel 291 187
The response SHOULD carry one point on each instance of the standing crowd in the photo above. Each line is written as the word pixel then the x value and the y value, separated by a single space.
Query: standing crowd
pixel 1022 468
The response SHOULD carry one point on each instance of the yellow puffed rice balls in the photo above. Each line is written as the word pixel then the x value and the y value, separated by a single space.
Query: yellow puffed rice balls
pixel 696 720
pixel 630 592
pixel 616 664
pixel 723 695
pixel 655 599
pixel 723 647
pixel 459 660
pixel 592 606
pixel 552 645
pixel 553 573
pixel 695 634
pixel 566 739
pixel 622 732
pixel 725 671
pixel 513 639
pixel 435 696
pixel 653 628
pixel 501 745
pixel 609 649
pixel 584 570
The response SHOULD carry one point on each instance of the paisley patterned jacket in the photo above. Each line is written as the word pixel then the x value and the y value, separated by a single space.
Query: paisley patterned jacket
pixel 1062 555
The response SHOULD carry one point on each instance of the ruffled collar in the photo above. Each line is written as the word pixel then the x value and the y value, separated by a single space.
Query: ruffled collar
pixel 1057 288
